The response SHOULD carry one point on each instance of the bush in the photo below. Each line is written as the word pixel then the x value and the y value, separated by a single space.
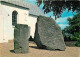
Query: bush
pixel 70 38
pixel 78 42
pixel 73 38
pixel 67 38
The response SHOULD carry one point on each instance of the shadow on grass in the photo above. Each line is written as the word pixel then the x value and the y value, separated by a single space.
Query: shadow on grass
pixel 35 47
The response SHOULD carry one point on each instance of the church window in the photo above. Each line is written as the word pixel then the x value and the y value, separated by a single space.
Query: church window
pixel 14 18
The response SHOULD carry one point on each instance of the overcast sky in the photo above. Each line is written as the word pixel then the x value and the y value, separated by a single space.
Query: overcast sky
pixel 62 21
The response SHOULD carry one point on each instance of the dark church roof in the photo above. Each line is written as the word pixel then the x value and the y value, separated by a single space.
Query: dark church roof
pixel 33 9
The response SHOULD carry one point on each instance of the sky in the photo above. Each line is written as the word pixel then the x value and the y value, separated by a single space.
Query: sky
pixel 62 21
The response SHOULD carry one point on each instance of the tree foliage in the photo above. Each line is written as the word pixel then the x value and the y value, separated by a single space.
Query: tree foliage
pixel 58 6
pixel 74 27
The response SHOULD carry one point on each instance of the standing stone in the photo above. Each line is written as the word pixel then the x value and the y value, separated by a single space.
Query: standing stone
pixel 21 35
pixel 48 34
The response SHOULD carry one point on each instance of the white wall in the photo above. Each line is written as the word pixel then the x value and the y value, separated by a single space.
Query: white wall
pixel 1 25
pixel 7 32
pixel 32 22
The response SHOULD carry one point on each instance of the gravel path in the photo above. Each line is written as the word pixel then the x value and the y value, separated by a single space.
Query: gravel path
pixel 6 50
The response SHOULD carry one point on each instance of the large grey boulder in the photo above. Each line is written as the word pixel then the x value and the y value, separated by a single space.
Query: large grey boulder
pixel 21 35
pixel 48 34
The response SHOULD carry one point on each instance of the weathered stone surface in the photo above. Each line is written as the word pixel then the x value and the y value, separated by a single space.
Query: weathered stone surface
pixel 48 34
pixel 21 35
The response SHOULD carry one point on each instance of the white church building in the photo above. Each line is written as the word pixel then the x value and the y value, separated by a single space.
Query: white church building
pixel 16 12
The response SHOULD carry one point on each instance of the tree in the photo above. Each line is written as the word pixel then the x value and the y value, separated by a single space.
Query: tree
pixel 58 6
pixel 74 25
pixel 74 28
